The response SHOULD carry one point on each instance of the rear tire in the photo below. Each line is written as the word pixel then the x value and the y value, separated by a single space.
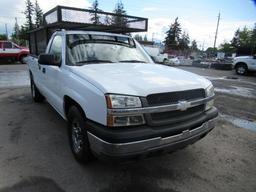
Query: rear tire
pixel 78 137
pixel 241 69
pixel 22 59
pixel 35 93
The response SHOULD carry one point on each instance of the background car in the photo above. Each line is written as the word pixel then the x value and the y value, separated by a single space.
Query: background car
pixel 10 50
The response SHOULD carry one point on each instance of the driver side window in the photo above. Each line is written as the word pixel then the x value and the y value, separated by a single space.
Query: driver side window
pixel 56 47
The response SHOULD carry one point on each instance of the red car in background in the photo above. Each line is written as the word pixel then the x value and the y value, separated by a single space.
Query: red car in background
pixel 9 50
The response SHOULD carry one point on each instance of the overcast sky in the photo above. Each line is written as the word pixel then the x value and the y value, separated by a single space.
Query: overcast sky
pixel 197 17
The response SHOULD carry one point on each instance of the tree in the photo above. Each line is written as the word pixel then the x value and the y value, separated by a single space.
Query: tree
pixel 244 41
pixel 95 17
pixel 119 19
pixel 193 46
pixel 29 11
pixel 38 14
pixel 138 37
pixel 253 40
pixel 145 38
pixel 173 35
pixel 184 41
pixel 3 37
pixel 227 48
pixel 16 32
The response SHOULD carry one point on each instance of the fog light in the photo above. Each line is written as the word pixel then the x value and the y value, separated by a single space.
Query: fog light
pixel 209 105
pixel 116 121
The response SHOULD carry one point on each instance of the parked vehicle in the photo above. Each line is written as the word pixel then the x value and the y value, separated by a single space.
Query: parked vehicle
pixel 155 54
pixel 174 60
pixel 117 102
pixel 10 50
pixel 244 64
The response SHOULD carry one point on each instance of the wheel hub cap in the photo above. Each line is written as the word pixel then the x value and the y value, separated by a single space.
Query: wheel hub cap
pixel 76 136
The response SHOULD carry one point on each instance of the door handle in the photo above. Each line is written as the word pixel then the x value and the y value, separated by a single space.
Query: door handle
pixel 43 70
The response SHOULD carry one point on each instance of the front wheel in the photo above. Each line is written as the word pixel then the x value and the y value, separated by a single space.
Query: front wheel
pixel 241 69
pixel 165 61
pixel 78 135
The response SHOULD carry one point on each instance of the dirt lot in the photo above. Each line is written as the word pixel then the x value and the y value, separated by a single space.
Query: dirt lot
pixel 35 155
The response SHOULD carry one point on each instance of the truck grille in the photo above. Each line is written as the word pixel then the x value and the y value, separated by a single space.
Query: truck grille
pixel 174 117
pixel 173 97
pixel 171 117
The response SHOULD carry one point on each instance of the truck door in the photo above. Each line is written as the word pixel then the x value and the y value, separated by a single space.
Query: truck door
pixel 51 74
pixel 10 50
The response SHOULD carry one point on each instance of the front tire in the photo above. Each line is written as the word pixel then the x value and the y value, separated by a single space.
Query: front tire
pixel 35 93
pixel 241 69
pixel 78 138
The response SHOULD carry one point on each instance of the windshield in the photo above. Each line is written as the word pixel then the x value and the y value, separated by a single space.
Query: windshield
pixel 86 49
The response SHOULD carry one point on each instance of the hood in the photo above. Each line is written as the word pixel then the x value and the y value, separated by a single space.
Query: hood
pixel 139 79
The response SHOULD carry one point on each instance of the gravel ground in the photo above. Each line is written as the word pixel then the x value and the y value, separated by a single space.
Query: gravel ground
pixel 35 155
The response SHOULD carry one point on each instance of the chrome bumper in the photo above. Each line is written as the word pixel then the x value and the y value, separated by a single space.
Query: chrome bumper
pixel 101 147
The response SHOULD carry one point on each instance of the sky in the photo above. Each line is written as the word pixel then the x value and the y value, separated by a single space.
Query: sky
pixel 197 17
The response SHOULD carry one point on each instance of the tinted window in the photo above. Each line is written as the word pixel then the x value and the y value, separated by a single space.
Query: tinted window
pixel 56 47
pixel 7 45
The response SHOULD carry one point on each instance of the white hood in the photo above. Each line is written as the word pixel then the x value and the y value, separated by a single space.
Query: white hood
pixel 139 79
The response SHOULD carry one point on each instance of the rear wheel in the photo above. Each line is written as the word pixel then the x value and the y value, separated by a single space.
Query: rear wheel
pixel 36 95
pixel 78 135
pixel 241 69
pixel 22 59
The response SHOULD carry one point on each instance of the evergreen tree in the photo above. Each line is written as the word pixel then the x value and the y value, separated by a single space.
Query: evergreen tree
pixel 184 41
pixel 145 38
pixel 235 42
pixel 194 45
pixel 138 37
pixel 29 11
pixel 38 15
pixel 95 17
pixel 173 35
pixel 253 40
pixel 119 19
pixel 16 32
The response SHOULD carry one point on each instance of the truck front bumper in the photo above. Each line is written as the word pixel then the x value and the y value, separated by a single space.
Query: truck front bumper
pixel 148 147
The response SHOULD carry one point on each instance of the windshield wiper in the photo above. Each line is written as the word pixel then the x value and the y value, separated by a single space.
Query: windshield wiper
pixel 94 61
pixel 132 61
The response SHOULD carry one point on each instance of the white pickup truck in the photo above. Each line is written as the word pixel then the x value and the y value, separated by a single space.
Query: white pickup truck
pixel 117 102
pixel 243 64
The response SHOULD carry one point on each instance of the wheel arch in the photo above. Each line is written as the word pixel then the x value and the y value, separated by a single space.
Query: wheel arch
pixel 68 102
pixel 241 63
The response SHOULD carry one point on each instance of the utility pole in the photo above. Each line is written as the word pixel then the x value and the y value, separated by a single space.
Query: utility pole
pixel 216 33
pixel 6 32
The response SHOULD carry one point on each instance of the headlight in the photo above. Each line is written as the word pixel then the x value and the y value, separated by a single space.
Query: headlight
pixel 209 91
pixel 123 102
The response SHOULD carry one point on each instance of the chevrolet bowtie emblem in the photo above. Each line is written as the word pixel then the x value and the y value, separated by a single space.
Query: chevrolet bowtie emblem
pixel 183 105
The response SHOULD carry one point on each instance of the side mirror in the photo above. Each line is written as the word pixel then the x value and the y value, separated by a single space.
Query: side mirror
pixel 254 57
pixel 48 59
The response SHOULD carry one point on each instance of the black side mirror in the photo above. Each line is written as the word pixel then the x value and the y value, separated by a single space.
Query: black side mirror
pixel 254 57
pixel 48 59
